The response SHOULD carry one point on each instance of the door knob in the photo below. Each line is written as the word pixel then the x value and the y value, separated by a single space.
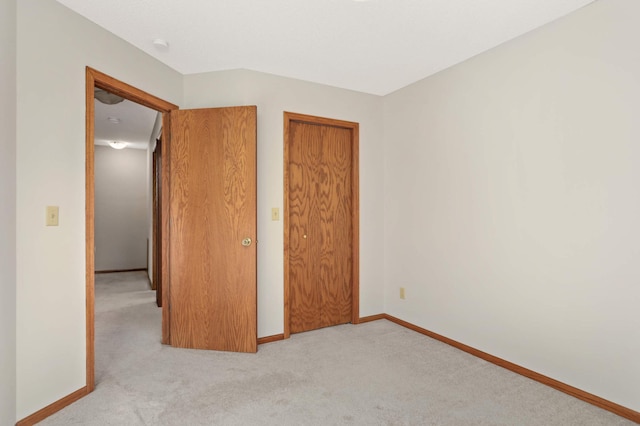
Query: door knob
pixel 246 242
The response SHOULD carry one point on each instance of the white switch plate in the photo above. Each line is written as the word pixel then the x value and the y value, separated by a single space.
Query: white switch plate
pixel 275 213
pixel 52 216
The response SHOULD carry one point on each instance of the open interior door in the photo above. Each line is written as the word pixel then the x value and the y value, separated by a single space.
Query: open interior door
pixel 212 248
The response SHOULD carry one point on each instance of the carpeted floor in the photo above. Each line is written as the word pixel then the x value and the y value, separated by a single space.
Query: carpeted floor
pixel 376 373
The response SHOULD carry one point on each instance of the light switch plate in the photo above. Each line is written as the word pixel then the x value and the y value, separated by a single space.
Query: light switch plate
pixel 275 213
pixel 52 216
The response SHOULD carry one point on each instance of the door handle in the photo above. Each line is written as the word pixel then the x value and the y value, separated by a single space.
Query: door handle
pixel 246 242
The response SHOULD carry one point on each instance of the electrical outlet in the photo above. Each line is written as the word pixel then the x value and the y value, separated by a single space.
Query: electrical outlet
pixel 402 295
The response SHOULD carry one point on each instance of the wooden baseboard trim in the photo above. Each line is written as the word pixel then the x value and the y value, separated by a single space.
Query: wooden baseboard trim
pixel 269 339
pixel 53 408
pixel 562 387
pixel 617 409
pixel 112 271
pixel 372 318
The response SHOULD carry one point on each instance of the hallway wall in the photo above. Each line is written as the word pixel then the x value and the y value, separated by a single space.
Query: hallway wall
pixel 121 215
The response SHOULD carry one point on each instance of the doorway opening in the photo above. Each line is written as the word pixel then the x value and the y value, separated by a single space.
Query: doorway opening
pixel 125 136
pixel 96 79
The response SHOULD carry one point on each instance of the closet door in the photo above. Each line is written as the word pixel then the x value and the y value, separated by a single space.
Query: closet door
pixel 320 212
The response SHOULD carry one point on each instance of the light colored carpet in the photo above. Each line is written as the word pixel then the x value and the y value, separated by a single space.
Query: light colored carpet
pixel 376 373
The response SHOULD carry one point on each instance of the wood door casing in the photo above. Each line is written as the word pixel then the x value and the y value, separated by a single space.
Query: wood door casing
pixel 95 78
pixel 165 221
pixel 213 297
pixel 321 222
pixel 157 221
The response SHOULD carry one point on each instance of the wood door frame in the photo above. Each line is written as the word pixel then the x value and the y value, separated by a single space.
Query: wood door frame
pixel 154 219
pixel 156 188
pixel 290 117
pixel 95 78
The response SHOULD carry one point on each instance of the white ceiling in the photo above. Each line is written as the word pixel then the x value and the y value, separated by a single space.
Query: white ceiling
pixel 135 126
pixel 375 46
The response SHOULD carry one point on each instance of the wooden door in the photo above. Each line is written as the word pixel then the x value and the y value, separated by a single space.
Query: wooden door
pixel 321 214
pixel 157 222
pixel 213 229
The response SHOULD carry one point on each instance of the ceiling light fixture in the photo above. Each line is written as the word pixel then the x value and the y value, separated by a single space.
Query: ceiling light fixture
pixel 118 144
pixel 105 97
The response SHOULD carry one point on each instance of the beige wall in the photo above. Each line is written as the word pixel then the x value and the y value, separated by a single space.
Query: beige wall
pixel 512 202
pixel 273 95
pixel 8 212
pixel 121 216
pixel 500 193
pixel 54 47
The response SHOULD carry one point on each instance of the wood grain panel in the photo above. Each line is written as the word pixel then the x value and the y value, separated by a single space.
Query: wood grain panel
pixel 90 228
pixel 156 189
pixel 334 198
pixel 213 208
pixel 270 339
pixel 321 223
pixel 305 295
pixel 155 217
pixel 165 232
pixel 129 92
pixel 370 318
